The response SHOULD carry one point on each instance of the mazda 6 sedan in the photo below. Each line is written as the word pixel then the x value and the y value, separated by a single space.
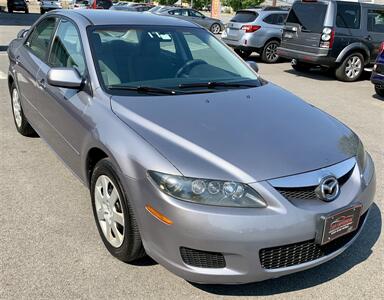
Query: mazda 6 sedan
pixel 189 155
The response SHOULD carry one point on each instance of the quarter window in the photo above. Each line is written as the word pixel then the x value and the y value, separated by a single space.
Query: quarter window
pixel 38 42
pixel 375 21
pixel 348 15
pixel 66 48
pixel 275 19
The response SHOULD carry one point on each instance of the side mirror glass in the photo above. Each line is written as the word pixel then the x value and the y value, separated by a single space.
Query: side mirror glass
pixel 254 66
pixel 22 33
pixel 65 78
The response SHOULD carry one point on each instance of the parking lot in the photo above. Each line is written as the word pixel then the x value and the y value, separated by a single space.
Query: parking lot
pixel 50 247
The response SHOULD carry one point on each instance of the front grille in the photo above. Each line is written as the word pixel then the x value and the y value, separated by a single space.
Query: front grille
pixel 202 259
pixel 308 193
pixel 302 252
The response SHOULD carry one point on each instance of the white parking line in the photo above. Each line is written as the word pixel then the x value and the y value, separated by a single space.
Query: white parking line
pixel 3 75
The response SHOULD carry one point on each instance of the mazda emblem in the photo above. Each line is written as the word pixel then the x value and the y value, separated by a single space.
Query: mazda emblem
pixel 328 189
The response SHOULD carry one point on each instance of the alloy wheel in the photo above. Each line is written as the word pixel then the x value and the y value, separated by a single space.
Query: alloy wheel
pixel 271 52
pixel 215 28
pixel 16 108
pixel 109 210
pixel 353 67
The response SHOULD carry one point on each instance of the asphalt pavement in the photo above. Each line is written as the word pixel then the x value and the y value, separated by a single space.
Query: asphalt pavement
pixel 50 247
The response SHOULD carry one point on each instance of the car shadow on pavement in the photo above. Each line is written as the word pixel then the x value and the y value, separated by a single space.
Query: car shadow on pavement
pixel 18 19
pixel 323 74
pixel 3 48
pixel 377 97
pixel 358 252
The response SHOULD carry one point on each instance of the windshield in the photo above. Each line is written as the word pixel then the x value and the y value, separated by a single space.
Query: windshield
pixel 165 57
pixel 309 15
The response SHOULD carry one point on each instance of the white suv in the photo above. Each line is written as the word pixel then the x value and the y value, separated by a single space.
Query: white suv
pixel 49 5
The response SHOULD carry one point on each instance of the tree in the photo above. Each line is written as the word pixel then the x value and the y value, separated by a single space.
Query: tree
pixel 240 4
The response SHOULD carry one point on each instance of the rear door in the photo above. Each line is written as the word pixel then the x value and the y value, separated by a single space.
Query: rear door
pixel 304 26
pixel 375 29
pixel 242 17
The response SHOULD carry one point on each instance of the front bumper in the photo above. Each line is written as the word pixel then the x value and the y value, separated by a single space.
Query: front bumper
pixel 239 234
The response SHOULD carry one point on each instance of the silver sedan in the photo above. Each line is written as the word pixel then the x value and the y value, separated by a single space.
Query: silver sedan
pixel 190 156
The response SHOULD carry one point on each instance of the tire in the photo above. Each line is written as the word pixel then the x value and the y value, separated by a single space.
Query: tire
pixel 379 90
pixel 351 68
pixel 301 67
pixel 123 241
pixel 269 52
pixel 26 11
pixel 10 10
pixel 42 11
pixel 21 122
pixel 244 54
pixel 215 28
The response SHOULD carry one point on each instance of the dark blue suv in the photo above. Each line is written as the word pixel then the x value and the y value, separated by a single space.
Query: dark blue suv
pixel 378 72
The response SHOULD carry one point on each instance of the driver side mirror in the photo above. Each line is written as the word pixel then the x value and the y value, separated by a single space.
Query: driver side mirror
pixel 22 33
pixel 253 66
pixel 65 78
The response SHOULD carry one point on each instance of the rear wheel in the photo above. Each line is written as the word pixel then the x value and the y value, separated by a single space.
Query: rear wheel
pixel 21 122
pixel 351 68
pixel 42 11
pixel 379 90
pixel 300 66
pixel 113 214
pixel 215 28
pixel 269 53
pixel 26 10
pixel 243 53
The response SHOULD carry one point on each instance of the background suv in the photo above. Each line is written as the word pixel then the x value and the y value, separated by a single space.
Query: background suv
pixel 344 36
pixel 256 30
pixel 17 5
pixel 378 73
pixel 49 5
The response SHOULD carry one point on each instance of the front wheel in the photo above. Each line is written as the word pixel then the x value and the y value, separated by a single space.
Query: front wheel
pixel 351 68
pixel 379 90
pixel 269 53
pixel 113 214
pixel 21 122
pixel 215 28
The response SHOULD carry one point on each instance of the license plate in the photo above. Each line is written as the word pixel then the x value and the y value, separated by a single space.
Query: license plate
pixel 338 224
pixel 288 35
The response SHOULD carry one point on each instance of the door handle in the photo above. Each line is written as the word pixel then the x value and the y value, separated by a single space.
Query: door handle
pixel 42 84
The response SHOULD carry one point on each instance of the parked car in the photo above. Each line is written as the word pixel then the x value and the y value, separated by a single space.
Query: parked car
pixel 344 36
pixel 214 25
pixel 377 77
pixel 17 5
pixel 189 155
pixel 48 5
pixel 135 8
pixel 81 4
pixel 256 30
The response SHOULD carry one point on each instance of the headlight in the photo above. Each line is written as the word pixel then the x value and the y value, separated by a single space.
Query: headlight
pixel 209 192
pixel 361 157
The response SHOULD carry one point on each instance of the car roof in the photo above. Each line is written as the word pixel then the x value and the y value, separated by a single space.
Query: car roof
pixel 115 17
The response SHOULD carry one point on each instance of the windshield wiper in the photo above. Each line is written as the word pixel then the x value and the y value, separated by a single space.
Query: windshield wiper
pixel 143 89
pixel 214 84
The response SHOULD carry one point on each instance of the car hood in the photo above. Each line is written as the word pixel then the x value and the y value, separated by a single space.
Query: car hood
pixel 244 135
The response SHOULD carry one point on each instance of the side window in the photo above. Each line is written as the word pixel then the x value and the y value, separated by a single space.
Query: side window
pixel 194 13
pixel 271 19
pixel 176 12
pixel 66 48
pixel 167 43
pixel 280 19
pixel 38 42
pixel 375 21
pixel 348 15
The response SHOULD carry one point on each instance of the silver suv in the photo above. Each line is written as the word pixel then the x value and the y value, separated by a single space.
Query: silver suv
pixel 256 30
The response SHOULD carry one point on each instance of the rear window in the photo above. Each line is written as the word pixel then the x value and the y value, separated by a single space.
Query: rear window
pixel 244 16
pixel 348 15
pixel 310 16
